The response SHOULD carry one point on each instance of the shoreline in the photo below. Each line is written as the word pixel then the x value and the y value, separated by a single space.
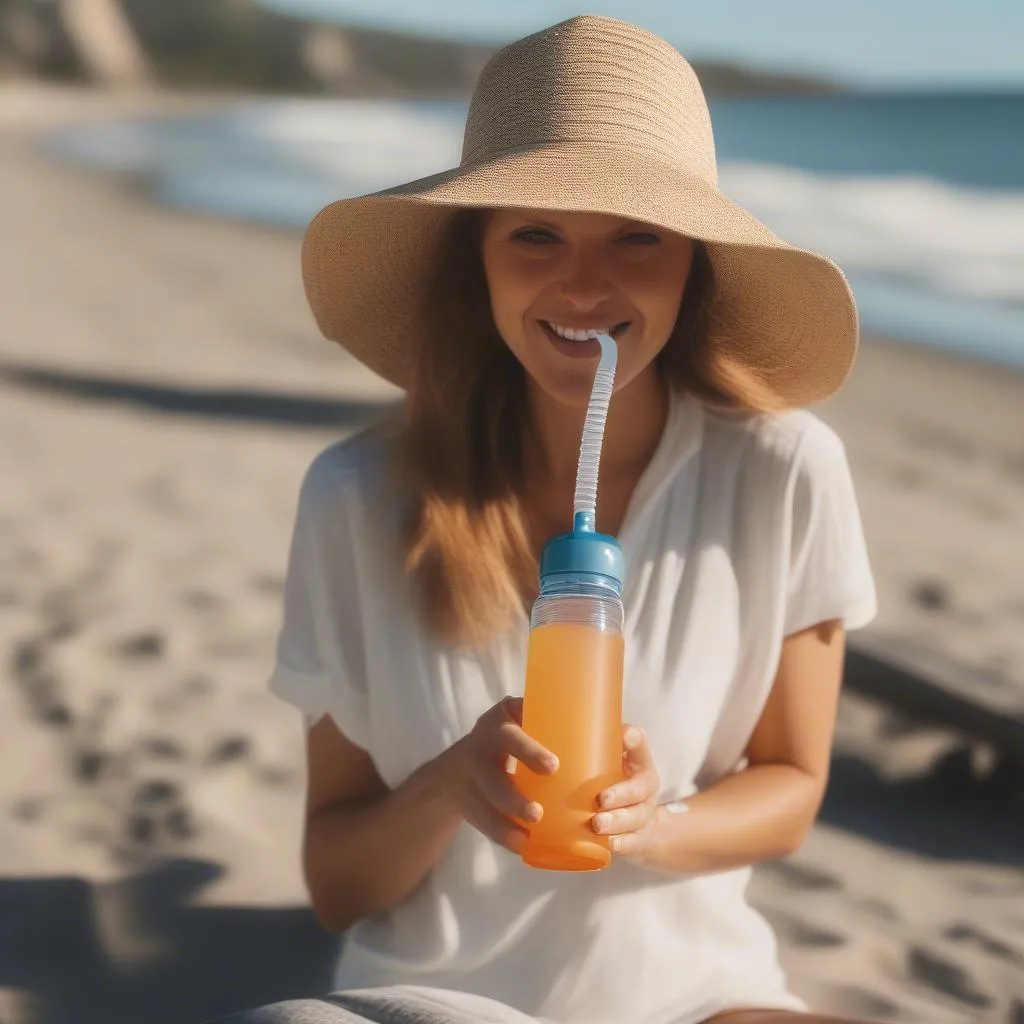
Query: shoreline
pixel 889 310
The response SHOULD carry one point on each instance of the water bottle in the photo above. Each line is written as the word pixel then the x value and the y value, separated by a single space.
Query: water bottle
pixel 572 703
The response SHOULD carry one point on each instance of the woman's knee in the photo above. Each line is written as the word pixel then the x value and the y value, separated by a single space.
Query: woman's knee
pixel 776 1017
pixel 291 1011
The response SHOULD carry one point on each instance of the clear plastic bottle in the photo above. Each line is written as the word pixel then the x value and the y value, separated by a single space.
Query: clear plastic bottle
pixel 572 703
pixel 573 696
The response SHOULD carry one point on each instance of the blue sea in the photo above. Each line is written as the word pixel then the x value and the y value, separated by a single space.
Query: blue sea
pixel 920 198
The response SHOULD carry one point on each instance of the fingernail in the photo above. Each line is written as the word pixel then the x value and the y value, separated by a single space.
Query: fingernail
pixel 550 763
pixel 632 738
pixel 601 821
pixel 533 812
pixel 615 843
pixel 606 798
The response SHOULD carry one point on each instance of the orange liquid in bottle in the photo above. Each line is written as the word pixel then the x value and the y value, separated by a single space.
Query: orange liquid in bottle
pixel 573 706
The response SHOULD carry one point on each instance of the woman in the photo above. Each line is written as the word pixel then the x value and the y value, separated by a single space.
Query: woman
pixel 585 201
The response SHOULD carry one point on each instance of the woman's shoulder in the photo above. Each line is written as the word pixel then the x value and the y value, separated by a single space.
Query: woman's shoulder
pixel 350 469
pixel 784 439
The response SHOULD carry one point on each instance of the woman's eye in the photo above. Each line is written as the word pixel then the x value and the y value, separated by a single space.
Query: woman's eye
pixel 640 238
pixel 535 236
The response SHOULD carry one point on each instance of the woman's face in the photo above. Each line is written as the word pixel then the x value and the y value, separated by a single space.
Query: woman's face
pixel 555 276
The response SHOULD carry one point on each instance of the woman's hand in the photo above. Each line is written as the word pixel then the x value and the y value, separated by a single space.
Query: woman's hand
pixel 626 810
pixel 476 773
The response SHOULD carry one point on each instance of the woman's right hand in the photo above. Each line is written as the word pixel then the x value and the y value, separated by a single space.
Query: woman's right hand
pixel 477 771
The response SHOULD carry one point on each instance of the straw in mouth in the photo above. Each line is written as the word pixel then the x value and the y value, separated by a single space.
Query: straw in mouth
pixel 585 501
pixel 582 337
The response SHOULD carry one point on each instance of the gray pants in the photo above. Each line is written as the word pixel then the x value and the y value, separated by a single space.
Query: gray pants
pixel 396 1004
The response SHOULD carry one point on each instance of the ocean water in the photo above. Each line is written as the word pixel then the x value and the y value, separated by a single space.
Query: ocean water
pixel 919 198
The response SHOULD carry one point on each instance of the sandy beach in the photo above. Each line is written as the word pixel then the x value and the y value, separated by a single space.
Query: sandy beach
pixel 162 390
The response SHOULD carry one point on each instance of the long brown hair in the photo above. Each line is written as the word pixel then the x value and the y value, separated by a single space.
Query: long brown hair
pixel 466 544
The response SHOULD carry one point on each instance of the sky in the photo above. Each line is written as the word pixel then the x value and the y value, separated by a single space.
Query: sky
pixel 868 43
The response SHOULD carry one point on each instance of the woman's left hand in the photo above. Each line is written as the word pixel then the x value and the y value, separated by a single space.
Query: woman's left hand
pixel 627 809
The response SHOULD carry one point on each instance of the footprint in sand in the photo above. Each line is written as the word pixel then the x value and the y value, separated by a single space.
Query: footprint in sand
pixel 949 978
pixel 880 911
pixel 931 595
pixel 162 748
pixel 201 600
pixel 142 646
pixel 90 764
pixel 159 809
pixel 197 685
pixel 231 748
pixel 27 810
pixel 270 585
pixel 862 1004
pixel 963 932
pixel 39 683
pixel 801 877
pixel 908 478
pixel 796 931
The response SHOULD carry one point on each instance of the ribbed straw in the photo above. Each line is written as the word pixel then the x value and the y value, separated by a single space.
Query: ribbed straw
pixel 593 431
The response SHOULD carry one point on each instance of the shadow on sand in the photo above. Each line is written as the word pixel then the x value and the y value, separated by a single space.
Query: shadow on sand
pixel 213 403
pixel 140 950
pixel 137 951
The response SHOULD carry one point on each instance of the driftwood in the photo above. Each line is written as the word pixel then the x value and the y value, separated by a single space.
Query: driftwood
pixel 927 688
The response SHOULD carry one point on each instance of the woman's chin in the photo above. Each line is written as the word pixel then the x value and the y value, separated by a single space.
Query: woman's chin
pixel 570 390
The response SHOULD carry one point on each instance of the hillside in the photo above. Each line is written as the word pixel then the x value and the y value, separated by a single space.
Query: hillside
pixel 238 45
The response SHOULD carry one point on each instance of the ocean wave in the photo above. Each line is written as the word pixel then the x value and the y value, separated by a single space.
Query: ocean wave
pixel 949 239
pixel 279 161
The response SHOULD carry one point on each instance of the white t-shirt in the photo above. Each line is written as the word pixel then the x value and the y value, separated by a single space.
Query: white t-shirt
pixel 741 531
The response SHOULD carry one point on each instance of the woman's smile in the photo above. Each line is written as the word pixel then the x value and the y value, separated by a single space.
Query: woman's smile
pixel 580 342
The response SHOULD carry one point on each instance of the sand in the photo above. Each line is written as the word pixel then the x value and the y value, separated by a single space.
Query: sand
pixel 162 389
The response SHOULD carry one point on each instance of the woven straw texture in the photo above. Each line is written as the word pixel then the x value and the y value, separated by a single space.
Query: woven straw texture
pixel 594 115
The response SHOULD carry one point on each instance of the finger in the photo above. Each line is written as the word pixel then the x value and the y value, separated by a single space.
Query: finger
pixel 629 845
pixel 622 821
pixel 485 818
pixel 636 748
pixel 508 709
pixel 502 793
pixel 513 708
pixel 634 790
pixel 514 742
pixel 501 737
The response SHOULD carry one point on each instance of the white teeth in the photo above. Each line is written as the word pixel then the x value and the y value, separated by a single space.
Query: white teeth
pixel 574 335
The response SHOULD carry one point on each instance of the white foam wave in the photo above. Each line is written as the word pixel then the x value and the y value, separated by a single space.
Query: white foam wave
pixel 949 239
pixel 281 160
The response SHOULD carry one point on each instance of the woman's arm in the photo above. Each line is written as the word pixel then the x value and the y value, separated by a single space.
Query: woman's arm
pixel 765 811
pixel 366 847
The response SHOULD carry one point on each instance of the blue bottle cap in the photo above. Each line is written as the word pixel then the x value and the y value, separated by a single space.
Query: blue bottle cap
pixel 584 553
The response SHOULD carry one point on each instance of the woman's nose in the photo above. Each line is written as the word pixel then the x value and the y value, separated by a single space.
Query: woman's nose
pixel 585 281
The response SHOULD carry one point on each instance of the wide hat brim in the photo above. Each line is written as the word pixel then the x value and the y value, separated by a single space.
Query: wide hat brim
pixel 786 314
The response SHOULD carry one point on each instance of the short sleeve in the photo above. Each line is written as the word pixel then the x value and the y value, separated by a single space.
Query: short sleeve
pixel 320 662
pixel 829 569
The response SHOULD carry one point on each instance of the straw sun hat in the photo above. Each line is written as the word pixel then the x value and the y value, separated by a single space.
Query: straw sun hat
pixel 592 114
